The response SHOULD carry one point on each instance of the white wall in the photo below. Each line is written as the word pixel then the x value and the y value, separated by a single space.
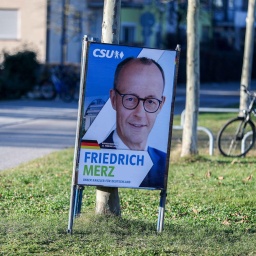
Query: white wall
pixel 31 25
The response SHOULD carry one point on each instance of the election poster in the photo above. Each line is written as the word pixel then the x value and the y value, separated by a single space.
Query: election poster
pixel 128 104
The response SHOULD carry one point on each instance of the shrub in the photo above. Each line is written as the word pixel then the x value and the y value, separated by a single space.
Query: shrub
pixel 19 74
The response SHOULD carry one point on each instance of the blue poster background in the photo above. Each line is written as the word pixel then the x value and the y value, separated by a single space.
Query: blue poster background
pixel 102 78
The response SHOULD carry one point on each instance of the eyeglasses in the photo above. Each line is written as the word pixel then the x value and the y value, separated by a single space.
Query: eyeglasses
pixel 131 101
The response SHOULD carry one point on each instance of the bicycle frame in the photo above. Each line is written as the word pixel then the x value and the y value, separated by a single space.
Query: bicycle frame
pixel 58 84
pixel 250 108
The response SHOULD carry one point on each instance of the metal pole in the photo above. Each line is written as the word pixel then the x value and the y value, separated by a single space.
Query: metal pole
pixel 160 222
pixel 163 194
pixel 79 134
pixel 79 200
pixel 71 209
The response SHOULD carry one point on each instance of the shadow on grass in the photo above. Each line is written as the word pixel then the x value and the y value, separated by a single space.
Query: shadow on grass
pixel 106 235
pixel 177 238
pixel 90 223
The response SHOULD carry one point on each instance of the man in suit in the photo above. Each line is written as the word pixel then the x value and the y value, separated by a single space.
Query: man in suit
pixel 137 98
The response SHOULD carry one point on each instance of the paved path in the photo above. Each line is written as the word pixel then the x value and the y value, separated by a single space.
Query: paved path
pixel 32 129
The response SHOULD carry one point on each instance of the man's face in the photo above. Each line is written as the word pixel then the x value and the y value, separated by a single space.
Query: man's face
pixel 144 81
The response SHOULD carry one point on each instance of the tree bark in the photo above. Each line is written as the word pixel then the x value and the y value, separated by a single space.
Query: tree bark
pixel 107 199
pixel 248 55
pixel 111 22
pixel 189 137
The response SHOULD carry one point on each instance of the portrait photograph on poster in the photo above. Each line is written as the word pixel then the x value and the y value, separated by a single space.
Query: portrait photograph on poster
pixel 128 104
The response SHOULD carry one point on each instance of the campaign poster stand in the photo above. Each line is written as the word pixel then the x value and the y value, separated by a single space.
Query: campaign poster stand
pixel 83 133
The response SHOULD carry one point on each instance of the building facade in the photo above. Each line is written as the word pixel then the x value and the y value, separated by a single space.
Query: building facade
pixel 54 28
pixel 23 26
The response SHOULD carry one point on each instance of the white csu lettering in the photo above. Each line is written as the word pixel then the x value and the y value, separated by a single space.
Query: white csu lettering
pixel 102 53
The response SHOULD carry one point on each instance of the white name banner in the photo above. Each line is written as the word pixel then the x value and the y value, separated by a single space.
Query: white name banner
pixel 117 168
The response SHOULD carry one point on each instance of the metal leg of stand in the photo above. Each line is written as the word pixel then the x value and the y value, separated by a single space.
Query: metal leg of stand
pixel 76 202
pixel 160 222
pixel 72 209
pixel 75 205
pixel 79 200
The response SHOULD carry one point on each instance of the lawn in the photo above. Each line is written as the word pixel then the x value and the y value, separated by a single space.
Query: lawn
pixel 210 210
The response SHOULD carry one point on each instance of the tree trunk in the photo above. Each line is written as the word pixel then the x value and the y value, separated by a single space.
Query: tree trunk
pixel 189 137
pixel 107 199
pixel 248 54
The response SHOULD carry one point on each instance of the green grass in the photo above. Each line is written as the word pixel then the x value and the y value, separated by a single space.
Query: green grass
pixel 210 210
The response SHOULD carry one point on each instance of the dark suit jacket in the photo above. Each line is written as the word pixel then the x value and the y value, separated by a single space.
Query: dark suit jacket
pixel 155 177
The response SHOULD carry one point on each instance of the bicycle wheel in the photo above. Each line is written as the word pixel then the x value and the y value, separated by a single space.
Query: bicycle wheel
pixel 47 90
pixel 66 94
pixel 236 137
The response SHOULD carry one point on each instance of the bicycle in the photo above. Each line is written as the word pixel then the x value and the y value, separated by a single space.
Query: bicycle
pixel 237 137
pixel 58 84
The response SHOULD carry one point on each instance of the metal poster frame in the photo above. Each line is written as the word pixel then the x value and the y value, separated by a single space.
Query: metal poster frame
pixel 78 187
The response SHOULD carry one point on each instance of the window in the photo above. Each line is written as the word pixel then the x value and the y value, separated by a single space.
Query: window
pixel 9 24
pixel 245 5
pixel 128 33
pixel 205 34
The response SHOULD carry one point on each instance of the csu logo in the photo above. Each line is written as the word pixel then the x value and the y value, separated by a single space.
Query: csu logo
pixel 102 53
